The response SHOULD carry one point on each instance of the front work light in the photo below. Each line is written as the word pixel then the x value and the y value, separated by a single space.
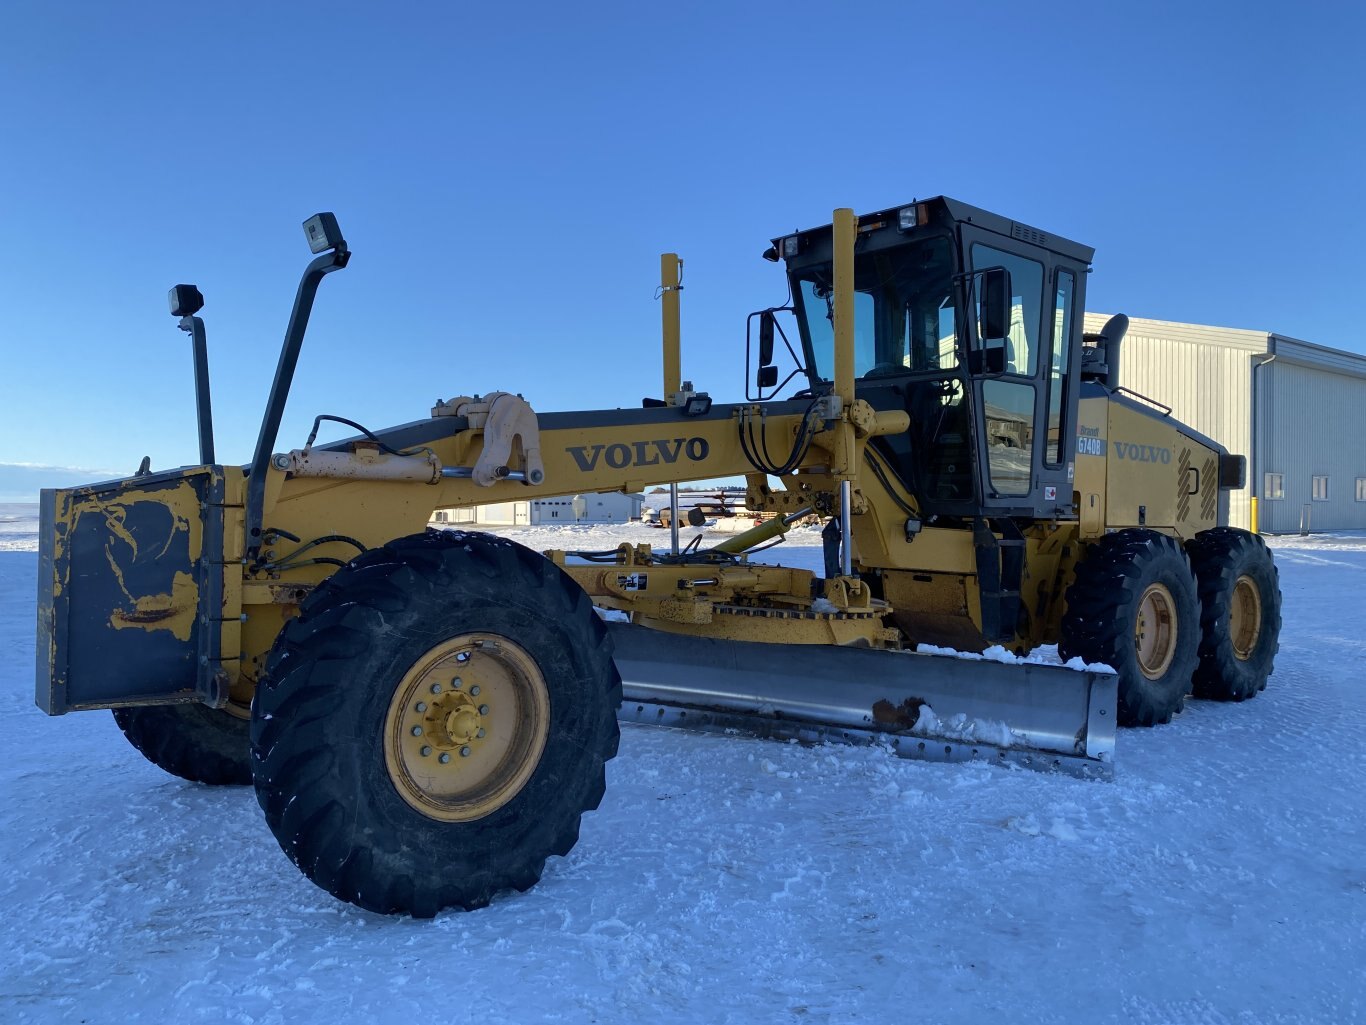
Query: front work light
pixel 185 300
pixel 323 233
pixel 909 217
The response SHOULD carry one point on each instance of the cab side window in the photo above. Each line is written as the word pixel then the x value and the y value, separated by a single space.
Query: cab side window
pixel 1022 344
pixel 1057 378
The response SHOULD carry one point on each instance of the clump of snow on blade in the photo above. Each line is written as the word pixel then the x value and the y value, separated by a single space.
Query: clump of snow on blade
pixel 1043 655
pixel 824 605
pixel 992 732
pixel 935 649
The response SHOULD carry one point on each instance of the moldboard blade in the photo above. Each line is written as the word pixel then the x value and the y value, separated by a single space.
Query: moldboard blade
pixel 1034 715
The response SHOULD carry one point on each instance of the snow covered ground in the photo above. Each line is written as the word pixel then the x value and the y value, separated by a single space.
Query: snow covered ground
pixel 18 527
pixel 1219 879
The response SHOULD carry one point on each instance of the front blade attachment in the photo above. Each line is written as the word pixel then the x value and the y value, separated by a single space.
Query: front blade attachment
pixel 933 707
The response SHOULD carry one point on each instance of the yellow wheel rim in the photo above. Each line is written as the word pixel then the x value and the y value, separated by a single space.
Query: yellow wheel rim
pixel 466 727
pixel 1245 617
pixel 1155 631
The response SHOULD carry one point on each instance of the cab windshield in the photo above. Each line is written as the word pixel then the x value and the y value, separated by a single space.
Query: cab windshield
pixel 904 316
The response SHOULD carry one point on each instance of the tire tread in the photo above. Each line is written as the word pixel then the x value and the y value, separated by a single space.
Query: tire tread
pixel 295 702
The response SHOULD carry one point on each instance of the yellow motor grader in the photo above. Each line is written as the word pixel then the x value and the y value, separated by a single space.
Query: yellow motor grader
pixel 425 715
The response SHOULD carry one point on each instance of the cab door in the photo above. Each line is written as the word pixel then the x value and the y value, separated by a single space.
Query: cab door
pixel 1018 381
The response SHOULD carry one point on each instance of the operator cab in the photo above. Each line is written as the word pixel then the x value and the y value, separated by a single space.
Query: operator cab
pixel 971 323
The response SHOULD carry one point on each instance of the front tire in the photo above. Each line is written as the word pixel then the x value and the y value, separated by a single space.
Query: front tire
pixel 194 742
pixel 434 724
pixel 1240 618
pixel 1133 606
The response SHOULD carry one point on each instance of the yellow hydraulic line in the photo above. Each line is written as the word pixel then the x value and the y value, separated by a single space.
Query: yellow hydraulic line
pixel 670 278
pixel 845 232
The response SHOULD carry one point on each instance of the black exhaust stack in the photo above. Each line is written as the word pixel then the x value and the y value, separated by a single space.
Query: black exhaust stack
pixel 186 301
pixel 325 238
pixel 1100 357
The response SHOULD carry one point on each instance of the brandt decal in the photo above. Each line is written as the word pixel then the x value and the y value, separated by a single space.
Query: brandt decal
pixel 1090 442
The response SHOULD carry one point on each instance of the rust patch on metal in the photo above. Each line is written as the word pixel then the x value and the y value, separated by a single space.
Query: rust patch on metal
pixel 289 594
pixel 900 717
pixel 269 592
pixel 143 616
pixel 174 612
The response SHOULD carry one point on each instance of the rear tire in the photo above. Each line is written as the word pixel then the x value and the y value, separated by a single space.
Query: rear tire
pixel 194 742
pixel 434 723
pixel 1240 613
pixel 1133 606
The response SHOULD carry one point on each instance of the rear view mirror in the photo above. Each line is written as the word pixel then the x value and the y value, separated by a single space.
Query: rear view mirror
pixel 767 381
pixel 994 304
pixel 766 340
pixel 991 360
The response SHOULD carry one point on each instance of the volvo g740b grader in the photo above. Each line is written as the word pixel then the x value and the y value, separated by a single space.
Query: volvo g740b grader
pixel 425 715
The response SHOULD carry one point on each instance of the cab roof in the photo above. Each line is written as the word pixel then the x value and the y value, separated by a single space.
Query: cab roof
pixel 943 210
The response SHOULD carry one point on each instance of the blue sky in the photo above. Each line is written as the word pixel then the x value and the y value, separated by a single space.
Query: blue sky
pixel 508 175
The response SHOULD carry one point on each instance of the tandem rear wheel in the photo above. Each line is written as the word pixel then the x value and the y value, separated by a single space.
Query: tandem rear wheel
pixel 1205 620
pixel 1133 606
pixel 434 723
pixel 1240 613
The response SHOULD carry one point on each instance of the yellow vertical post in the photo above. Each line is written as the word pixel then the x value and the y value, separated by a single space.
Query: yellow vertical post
pixel 1253 515
pixel 845 232
pixel 670 278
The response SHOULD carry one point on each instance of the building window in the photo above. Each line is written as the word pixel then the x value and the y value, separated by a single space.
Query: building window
pixel 1274 486
pixel 1361 489
pixel 1320 489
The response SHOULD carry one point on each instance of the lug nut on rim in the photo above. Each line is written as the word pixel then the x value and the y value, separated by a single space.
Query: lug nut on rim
pixel 464 752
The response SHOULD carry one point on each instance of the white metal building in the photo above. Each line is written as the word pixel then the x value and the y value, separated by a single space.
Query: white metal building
pixel 612 507
pixel 1295 409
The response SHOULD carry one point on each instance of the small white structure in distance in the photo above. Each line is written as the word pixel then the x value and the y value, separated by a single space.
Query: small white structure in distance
pixel 612 507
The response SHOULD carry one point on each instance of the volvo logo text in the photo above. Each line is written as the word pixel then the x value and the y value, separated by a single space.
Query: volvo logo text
pixel 1142 453
pixel 639 453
